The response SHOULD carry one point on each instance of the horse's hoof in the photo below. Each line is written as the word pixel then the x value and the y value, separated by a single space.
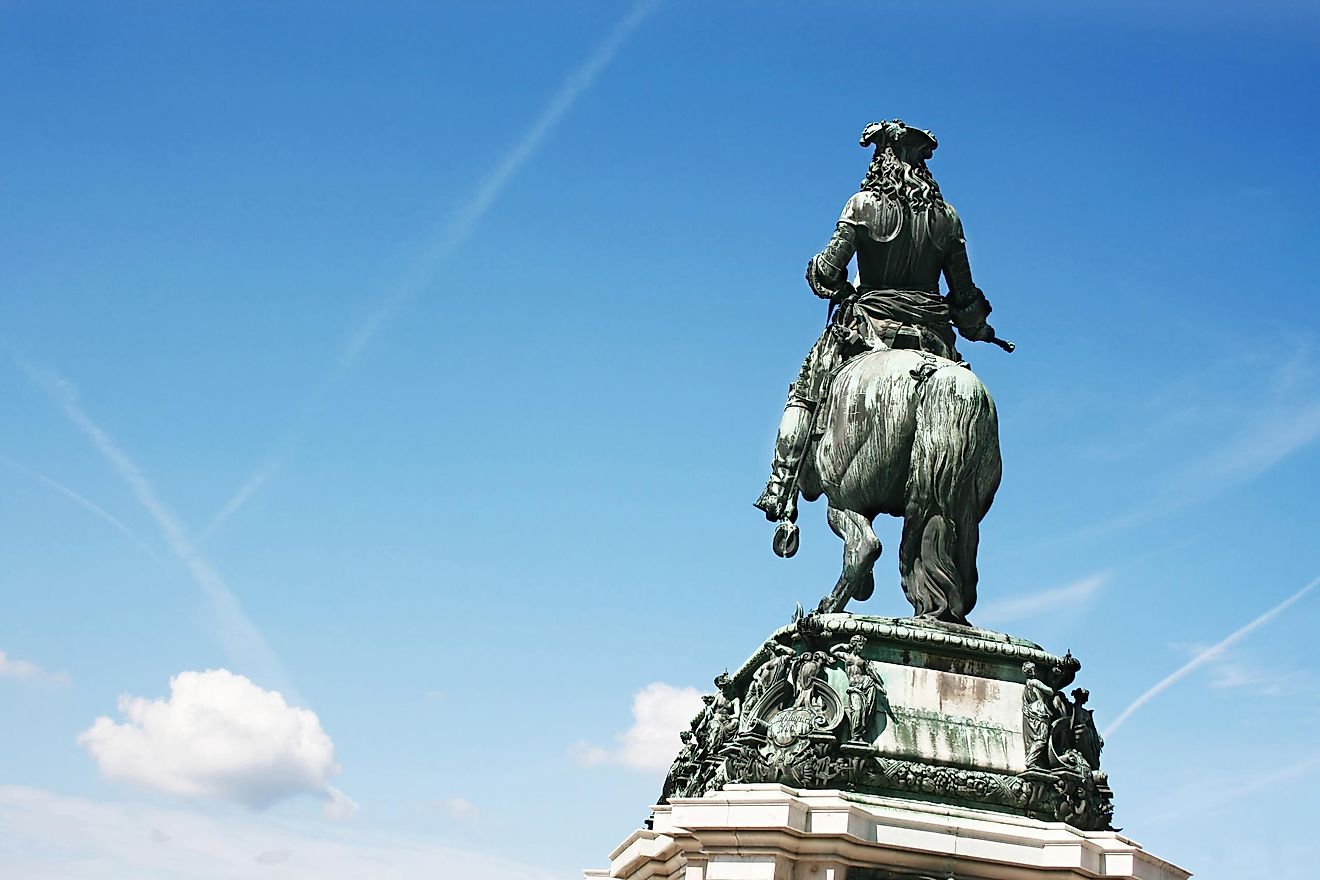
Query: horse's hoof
pixel 865 589
pixel 785 543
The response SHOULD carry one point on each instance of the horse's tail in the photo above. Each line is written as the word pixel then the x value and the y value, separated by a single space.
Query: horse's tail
pixel 954 473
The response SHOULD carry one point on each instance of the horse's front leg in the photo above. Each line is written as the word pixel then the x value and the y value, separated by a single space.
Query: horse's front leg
pixel 861 548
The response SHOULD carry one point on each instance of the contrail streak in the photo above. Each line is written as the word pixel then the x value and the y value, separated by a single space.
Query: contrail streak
pixel 1208 654
pixel 246 491
pixel 464 221
pixel 239 637
pixel 81 501
pixel 455 232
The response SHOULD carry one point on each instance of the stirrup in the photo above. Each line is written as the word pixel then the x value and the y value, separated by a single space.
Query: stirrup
pixel 785 542
pixel 776 502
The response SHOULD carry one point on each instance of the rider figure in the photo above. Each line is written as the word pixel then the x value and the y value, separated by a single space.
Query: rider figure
pixel 904 236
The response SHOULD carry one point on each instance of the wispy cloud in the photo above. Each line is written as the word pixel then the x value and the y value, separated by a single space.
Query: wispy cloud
pixel 457 808
pixel 454 232
pixel 1208 655
pixel 1072 596
pixel 54 836
pixel 1203 797
pixel 1229 671
pixel 1261 445
pixel 90 506
pixel 1206 442
pixel 27 671
pixel 239 637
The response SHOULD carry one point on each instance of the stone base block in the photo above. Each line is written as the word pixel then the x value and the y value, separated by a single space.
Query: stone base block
pixel 772 832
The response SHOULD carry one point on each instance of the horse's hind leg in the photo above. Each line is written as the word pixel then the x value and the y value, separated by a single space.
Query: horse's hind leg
pixel 861 548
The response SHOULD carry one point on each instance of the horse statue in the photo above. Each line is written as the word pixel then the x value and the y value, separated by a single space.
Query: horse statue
pixel 885 417
pixel 912 435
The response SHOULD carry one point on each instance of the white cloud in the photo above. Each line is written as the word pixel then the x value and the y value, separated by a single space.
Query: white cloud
pixel 26 670
pixel 219 736
pixel 54 837
pixel 660 712
pixel 1077 594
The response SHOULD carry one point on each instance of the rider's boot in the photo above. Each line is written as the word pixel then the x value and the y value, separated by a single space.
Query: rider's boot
pixel 778 499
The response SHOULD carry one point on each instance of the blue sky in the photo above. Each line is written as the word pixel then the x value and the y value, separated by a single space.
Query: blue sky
pixel 420 362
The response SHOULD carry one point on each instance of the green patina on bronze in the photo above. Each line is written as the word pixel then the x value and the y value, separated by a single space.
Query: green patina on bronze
pixel 886 418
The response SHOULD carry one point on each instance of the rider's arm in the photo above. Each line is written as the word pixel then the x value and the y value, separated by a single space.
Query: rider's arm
pixel 827 273
pixel 968 306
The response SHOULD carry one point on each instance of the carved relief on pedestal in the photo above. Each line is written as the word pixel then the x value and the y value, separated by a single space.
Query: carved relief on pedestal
pixel 811 709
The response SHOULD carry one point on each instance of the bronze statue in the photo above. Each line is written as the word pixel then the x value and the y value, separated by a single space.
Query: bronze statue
pixel 901 424
pixel 1037 714
pixel 865 686
pixel 1086 737
pixel 768 673
pixel 807 668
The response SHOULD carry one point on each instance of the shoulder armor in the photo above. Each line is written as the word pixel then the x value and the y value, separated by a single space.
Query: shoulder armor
pixel 880 218
pixel 955 225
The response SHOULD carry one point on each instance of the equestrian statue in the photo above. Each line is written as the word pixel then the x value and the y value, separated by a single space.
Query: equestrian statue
pixel 885 415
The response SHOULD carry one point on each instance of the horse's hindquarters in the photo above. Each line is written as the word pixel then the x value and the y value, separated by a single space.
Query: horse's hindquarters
pixel 861 462
pixel 916 436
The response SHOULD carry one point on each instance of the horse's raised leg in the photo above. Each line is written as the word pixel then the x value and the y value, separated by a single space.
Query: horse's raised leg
pixel 861 548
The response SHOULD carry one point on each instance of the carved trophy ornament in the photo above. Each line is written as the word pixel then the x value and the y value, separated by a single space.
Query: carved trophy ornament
pixel 885 417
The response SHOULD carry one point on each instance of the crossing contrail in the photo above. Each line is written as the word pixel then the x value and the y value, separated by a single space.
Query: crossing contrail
pixel 456 230
pixel 1207 655
pixel 242 643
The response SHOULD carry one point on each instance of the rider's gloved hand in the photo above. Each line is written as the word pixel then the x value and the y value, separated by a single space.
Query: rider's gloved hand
pixel 825 282
pixel 968 308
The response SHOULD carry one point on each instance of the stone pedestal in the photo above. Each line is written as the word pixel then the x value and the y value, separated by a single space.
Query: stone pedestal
pixel 773 832
pixel 895 707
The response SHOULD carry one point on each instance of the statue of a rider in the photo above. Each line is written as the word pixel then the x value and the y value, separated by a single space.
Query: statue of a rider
pixel 904 236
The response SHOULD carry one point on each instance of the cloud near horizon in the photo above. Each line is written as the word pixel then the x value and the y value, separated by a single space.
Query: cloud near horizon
pixel 218 736
pixel 58 837
pixel 1077 594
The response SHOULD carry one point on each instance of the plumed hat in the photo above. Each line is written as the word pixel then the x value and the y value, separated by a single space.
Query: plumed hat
pixel 894 133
